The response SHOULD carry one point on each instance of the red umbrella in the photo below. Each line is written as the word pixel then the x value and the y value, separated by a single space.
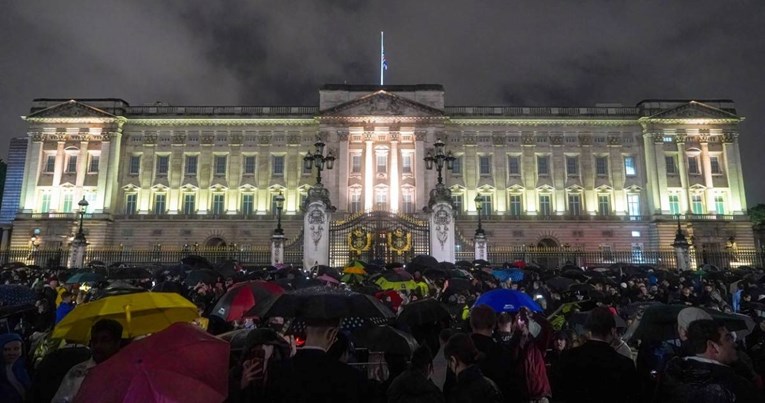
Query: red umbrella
pixel 241 297
pixel 395 298
pixel 179 364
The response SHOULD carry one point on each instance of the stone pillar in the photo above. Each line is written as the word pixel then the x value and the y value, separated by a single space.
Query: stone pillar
pixel 706 166
pixel 32 168
pixel 481 247
pixel 316 227
pixel 77 252
pixel 442 239
pixel 277 249
pixel 369 171
pixel 737 203
pixel 419 166
pixel 682 250
pixel 395 186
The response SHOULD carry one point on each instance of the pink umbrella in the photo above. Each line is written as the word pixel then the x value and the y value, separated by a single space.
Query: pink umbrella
pixel 328 279
pixel 179 364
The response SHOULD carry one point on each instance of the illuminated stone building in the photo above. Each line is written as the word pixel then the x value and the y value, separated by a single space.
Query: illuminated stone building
pixel 591 177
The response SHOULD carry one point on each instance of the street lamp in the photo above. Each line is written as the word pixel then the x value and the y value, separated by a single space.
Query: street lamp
pixel 319 160
pixel 279 200
pixel 478 207
pixel 440 159
pixel 83 207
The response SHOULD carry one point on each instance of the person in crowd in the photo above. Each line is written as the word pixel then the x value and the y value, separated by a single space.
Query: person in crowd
pixel 66 306
pixel 105 341
pixel 528 345
pixel 471 385
pixel 44 317
pixel 706 375
pixel 439 361
pixel 312 375
pixel 50 291
pixel 595 372
pixel 414 384
pixel 262 347
pixel 496 362
pixel 504 331
pixel 560 343
pixel 14 382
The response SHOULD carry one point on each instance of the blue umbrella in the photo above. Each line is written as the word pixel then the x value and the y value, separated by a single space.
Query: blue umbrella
pixel 513 274
pixel 15 294
pixel 503 300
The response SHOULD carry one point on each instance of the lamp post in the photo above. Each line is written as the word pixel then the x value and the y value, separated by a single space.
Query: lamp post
pixel 440 159
pixel 319 160
pixel 77 252
pixel 83 208
pixel 478 207
pixel 279 200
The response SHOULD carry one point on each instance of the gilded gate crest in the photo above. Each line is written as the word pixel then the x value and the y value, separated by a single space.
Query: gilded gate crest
pixel 399 241
pixel 359 240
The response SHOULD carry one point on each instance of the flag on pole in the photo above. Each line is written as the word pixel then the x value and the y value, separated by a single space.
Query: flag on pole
pixel 383 61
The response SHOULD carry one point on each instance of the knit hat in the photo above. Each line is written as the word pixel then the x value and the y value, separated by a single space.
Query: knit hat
pixel 690 315
pixel 9 337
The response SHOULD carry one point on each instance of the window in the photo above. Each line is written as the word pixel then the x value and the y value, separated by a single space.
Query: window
pixel 248 203
pixel 278 165
pixel 382 163
pixel 135 164
pixel 601 166
pixel 544 205
pixel 68 201
pixel 674 204
pixel 715 162
pixel 720 204
pixel 669 160
pixel 693 165
pixel 572 166
pixel 543 167
pixel 514 165
pixel 163 164
pixel 45 207
pixel 381 198
pixel 218 204
pixel 408 198
pixel 191 164
pixel 93 164
pixel 50 164
pixel 189 203
pixel 484 165
pixel 697 204
pixel 356 163
pixel 457 165
pixel 220 164
pixel 71 164
pixel 160 203
pixel 131 204
pixel 249 165
pixel 633 204
pixel 629 166
pixel 406 164
pixel 486 205
pixel 574 204
pixel 355 205
pixel 604 205
pixel 516 205
pixel 457 202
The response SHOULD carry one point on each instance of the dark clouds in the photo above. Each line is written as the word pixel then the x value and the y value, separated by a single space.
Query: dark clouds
pixel 483 52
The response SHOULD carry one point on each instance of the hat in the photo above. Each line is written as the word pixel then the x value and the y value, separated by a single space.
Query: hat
pixel 9 337
pixel 690 315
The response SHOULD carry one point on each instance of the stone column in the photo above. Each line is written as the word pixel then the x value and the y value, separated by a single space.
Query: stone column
pixel 661 173
pixel 111 165
pixel 82 167
pixel 343 169
pixel 442 239
pixel 395 176
pixel 369 171
pixel 737 203
pixel 653 196
pixel 32 172
pixel 103 172
pixel 77 252
pixel 706 166
pixel 316 224
pixel 685 205
pixel 419 166
pixel 277 249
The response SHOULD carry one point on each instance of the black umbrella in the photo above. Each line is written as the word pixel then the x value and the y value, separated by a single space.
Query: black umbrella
pixel 227 268
pixel 321 303
pixel 329 271
pixel 197 262
pixel 481 263
pixel 422 312
pixel 128 273
pixel 464 264
pixel 118 288
pixel 387 339
pixel 578 322
pixel 206 276
pixel 16 294
pixel 457 285
pixel 422 263
pixel 659 322
pixel 52 368
pixel 560 283
pixel 575 274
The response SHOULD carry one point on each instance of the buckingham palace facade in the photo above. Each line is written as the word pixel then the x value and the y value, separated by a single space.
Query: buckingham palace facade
pixel 592 177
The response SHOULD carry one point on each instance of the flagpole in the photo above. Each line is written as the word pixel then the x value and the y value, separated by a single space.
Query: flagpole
pixel 382 58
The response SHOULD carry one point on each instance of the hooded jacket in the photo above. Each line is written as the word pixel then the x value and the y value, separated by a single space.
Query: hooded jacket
pixel 690 380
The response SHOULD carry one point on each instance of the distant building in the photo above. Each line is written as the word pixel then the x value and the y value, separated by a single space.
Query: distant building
pixel 604 177
pixel 12 182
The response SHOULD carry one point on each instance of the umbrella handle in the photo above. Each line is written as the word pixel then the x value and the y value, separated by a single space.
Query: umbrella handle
pixel 128 319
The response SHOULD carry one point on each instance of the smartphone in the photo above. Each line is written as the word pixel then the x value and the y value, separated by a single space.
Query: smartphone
pixel 257 356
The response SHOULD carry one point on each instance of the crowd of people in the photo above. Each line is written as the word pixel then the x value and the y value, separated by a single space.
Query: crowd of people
pixel 584 338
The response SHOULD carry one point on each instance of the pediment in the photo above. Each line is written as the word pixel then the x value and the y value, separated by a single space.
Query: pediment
pixel 694 110
pixel 515 182
pixel 71 109
pixel 131 187
pixel 219 187
pixel 382 103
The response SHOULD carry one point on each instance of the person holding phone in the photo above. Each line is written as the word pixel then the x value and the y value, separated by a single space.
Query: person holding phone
pixel 262 348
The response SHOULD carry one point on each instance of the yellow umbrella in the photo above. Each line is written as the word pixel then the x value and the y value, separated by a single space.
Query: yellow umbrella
pixel 354 267
pixel 140 314
pixel 385 284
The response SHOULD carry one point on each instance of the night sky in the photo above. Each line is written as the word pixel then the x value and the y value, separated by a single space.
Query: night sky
pixel 533 53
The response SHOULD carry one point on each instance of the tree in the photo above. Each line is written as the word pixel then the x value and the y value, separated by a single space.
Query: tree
pixel 757 214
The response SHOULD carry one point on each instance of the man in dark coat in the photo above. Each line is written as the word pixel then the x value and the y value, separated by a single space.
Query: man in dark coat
pixel 413 385
pixel 706 376
pixel 496 362
pixel 312 375
pixel 595 372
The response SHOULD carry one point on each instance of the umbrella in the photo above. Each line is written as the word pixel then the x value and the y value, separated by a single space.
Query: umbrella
pixel 207 276
pixel 228 268
pixel 354 267
pixel 422 263
pixel 480 263
pixel 236 339
pixel 422 312
pixel 139 314
pixel 454 285
pixel 515 275
pixel 504 300
pixel 560 283
pixel 392 282
pixel 387 339
pixel 119 288
pixel 464 264
pixel 321 303
pixel 575 274
pixel 85 277
pixel 179 364
pixel 578 321
pixel 16 294
pixel 352 278
pixel 328 271
pixel 53 367
pixel 197 262
pixel 241 297
pixel 395 298
pixel 659 322
pixel 127 273
pixel 327 279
